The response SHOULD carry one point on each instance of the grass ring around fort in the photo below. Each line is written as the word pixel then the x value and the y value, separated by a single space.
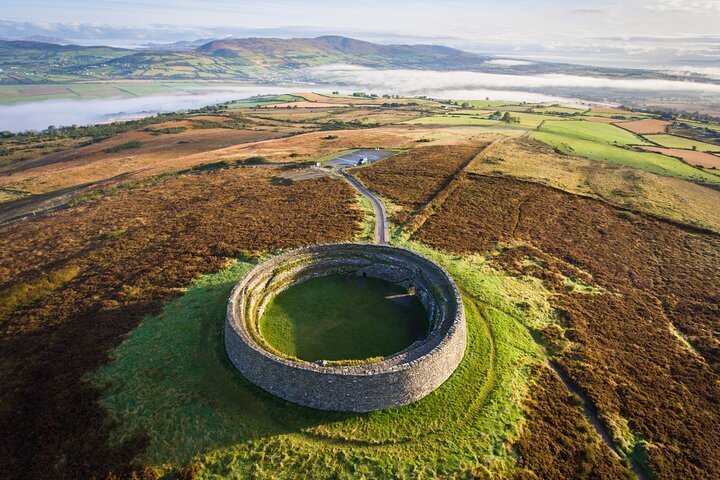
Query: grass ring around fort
pixel 351 385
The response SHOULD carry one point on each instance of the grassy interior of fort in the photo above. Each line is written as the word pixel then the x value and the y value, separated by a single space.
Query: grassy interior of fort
pixel 340 317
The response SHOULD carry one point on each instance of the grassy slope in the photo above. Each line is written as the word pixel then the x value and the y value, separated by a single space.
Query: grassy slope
pixel 673 141
pixel 650 162
pixel 596 132
pixel 171 379
pixel 254 102
pixel 339 318
pixel 531 120
pixel 668 197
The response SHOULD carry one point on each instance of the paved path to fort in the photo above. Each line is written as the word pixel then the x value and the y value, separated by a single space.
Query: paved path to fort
pixel 381 221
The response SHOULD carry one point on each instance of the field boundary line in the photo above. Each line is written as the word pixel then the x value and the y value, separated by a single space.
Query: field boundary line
pixel 670 221
pixel 430 208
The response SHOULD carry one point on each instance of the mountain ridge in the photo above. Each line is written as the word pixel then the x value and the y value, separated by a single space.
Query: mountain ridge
pixel 258 58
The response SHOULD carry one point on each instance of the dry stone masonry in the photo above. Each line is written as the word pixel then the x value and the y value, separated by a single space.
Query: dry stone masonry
pixel 399 379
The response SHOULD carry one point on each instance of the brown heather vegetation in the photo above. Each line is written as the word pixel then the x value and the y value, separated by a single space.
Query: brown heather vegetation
pixel 637 303
pixel 304 147
pixel 625 187
pixel 97 162
pixel 73 283
pixel 575 450
pixel 412 178
pixel 637 298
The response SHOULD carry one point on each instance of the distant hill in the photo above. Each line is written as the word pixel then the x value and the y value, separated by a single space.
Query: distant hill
pixel 304 52
pixel 24 61
pixel 252 58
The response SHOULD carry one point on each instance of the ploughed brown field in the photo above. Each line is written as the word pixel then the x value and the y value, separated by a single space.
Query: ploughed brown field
pixel 693 157
pixel 649 125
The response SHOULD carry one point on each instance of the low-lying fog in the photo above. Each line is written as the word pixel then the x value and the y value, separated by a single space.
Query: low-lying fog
pixel 432 83
pixel 39 115
pixel 556 88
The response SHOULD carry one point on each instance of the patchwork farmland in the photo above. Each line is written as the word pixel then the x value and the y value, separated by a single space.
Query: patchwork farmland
pixel 586 252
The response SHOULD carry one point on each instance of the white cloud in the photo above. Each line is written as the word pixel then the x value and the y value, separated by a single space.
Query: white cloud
pixel 39 115
pixel 691 6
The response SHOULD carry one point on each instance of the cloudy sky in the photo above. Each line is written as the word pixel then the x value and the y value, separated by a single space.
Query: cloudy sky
pixel 660 33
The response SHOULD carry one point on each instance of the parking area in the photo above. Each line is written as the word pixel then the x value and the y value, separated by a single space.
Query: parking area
pixel 353 158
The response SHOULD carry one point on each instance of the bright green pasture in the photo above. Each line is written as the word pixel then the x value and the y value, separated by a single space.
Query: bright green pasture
pixel 558 110
pixel 261 100
pixel 650 162
pixel 532 120
pixel 593 131
pixel 337 317
pixel 673 141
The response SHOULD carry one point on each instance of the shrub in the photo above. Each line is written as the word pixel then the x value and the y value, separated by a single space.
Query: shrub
pixel 252 161
pixel 211 167
pixel 168 130
pixel 282 181
pixel 124 146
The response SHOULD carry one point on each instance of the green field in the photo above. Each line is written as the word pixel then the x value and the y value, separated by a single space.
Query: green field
pixel 709 126
pixel 673 141
pixel 492 104
pixel 37 92
pixel 453 120
pixel 259 101
pixel 531 120
pixel 620 116
pixel 595 132
pixel 558 110
pixel 343 318
pixel 171 380
pixel 650 162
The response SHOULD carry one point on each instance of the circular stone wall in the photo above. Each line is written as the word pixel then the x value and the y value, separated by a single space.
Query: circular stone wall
pixel 398 379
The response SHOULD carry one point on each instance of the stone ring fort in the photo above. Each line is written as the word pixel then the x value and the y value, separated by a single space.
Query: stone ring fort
pixel 395 380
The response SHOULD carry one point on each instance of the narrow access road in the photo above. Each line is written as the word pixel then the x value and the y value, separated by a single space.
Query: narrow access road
pixel 382 236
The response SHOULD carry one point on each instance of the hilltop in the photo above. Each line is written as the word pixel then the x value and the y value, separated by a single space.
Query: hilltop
pixel 23 61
